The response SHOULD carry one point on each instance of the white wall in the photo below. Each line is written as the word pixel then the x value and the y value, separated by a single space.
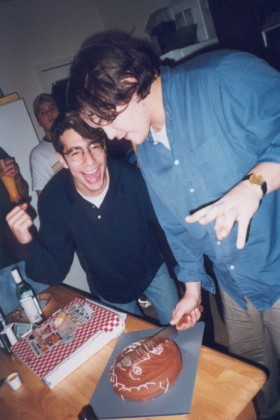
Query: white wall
pixel 34 33
pixel 129 15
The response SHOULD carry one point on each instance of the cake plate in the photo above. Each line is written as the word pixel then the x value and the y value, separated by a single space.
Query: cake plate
pixel 177 401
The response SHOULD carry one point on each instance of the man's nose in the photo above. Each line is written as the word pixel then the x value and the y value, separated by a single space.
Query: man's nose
pixel 88 157
pixel 110 132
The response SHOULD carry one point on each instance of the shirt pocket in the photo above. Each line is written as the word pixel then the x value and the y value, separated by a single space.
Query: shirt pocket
pixel 214 169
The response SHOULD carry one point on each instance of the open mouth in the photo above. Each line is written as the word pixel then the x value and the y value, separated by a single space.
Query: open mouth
pixel 92 177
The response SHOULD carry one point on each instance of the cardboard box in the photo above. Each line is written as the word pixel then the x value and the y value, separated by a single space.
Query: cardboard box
pixel 68 338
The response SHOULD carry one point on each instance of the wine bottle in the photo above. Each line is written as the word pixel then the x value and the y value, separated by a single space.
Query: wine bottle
pixel 28 299
pixel 3 321
pixel 4 342
pixel 87 413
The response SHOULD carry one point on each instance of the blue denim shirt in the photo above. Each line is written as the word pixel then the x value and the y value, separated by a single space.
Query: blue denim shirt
pixel 222 118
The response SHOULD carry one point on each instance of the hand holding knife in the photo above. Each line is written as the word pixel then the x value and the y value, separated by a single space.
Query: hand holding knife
pixel 171 331
pixel 186 320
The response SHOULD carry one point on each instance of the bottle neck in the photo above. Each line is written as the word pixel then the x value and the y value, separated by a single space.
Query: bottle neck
pixel 3 321
pixel 16 276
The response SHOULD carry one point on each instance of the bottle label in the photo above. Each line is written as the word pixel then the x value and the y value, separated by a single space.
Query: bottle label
pixel 31 309
pixel 28 294
pixel 39 309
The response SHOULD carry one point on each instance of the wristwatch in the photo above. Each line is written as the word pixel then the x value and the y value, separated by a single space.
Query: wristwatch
pixel 256 179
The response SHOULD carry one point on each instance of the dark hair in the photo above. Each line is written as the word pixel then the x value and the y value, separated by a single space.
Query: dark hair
pixel 107 71
pixel 70 120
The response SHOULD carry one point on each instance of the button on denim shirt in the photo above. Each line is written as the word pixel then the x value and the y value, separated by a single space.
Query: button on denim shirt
pixel 222 114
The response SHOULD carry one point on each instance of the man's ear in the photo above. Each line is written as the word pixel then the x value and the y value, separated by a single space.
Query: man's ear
pixel 61 159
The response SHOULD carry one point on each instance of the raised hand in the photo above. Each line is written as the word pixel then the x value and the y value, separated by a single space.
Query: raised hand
pixel 20 222
pixel 11 168
pixel 238 205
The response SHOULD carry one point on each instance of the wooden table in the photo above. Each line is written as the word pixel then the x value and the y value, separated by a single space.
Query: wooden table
pixel 223 390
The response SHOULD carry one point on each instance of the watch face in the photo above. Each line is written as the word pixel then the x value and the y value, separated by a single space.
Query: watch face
pixel 256 179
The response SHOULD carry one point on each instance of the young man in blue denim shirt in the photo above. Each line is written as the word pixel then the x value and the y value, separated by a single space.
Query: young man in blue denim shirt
pixel 208 144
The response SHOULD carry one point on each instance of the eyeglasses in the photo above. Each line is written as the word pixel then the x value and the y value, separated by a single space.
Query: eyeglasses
pixel 77 153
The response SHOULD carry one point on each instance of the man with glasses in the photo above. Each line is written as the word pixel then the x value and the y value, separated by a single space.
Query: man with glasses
pixel 102 211
pixel 43 160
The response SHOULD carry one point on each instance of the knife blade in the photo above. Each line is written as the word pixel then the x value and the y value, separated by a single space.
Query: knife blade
pixel 167 332
pixel 136 354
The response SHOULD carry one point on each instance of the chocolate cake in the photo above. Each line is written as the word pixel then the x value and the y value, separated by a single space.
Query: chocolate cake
pixel 151 375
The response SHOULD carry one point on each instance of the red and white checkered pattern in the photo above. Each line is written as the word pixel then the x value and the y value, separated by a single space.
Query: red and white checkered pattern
pixel 103 321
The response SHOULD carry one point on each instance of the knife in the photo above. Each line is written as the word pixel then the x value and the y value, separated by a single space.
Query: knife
pixel 167 332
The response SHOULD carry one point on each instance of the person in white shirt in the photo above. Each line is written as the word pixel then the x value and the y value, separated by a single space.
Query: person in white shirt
pixel 43 161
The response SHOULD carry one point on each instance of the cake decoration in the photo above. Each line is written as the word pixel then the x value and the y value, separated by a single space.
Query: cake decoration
pixel 151 375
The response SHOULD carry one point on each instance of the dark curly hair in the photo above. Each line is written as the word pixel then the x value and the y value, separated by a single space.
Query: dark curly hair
pixel 107 71
pixel 70 120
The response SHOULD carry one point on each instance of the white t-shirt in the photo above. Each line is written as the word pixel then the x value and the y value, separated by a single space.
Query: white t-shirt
pixel 43 164
pixel 98 199
pixel 161 136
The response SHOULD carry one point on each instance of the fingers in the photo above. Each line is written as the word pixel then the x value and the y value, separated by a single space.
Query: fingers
pixel 224 223
pixel 224 219
pixel 226 213
pixel 11 171
pixel 178 313
pixel 17 217
pixel 16 211
pixel 20 222
pixel 198 216
pixel 208 214
pixel 187 320
pixel 242 231
pixel 10 165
